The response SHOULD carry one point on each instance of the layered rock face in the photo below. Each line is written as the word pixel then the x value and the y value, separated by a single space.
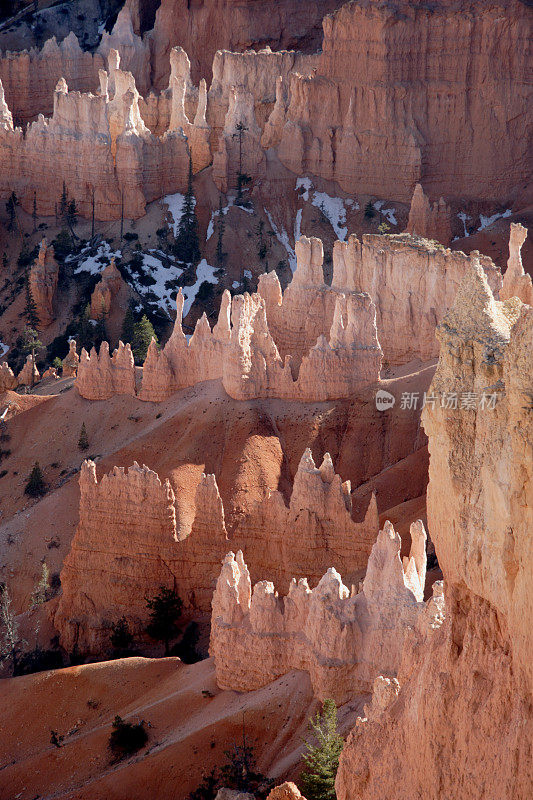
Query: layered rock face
pixel 412 282
pixel 461 723
pixel 129 527
pixel 386 108
pixel 136 511
pixel 344 640
pixel 30 77
pixel 116 158
pixel 429 220
pixel 43 277
pixel 202 29
pixel 314 342
pixel 315 531
pixel 331 331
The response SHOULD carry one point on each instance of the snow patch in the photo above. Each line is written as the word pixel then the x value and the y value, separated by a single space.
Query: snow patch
pixel 298 225
pixel 174 203
pixel 283 238
pixel 235 284
pixel 389 213
pixel 96 262
pixel 3 349
pixel 306 184
pixel 463 216
pixel 247 274
pixel 333 209
pixel 486 221
pixel 204 272
pixel 156 266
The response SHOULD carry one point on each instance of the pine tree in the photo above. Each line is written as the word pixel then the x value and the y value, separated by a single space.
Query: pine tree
pixel 34 212
pixel 121 636
pixel 11 208
pixel 128 324
pixel 165 610
pixel 85 329
pixel 143 333
pixel 10 642
pixel 63 203
pixel 31 344
pixel 36 485
pixel 242 178
pixel 72 213
pixel 220 255
pixel 322 759
pixel 30 309
pixel 83 441
pixel 41 593
pixel 5 261
pixel 187 246
pixel 369 210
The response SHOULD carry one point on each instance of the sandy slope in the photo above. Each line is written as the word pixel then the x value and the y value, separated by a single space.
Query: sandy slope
pixel 188 731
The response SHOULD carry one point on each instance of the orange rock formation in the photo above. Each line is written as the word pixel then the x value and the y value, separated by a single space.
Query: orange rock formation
pixel 344 640
pixel 44 273
pixel 162 548
pixel 515 281
pixel 427 220
pixel 105 290
pixel 471 680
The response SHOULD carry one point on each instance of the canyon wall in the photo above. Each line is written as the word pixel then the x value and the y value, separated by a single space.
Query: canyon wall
pixel 412 282
pixel 99 146
pixel 342 639
pixel 460 723
pixel 393 104
pixel 129 528
pixel 203 28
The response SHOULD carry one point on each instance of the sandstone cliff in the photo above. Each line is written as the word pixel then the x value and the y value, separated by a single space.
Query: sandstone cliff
pixel 342 638
pixel 202 29
pixel 515 281
pixel 130 528
pixel 460 725
pixel 98 145
pixel 376 118
pixel 412 282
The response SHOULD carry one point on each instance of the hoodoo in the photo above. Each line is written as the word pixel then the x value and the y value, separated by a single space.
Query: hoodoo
pixel 266 442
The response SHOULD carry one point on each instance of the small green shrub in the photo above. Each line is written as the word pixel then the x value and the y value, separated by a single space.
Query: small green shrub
pixel 126 737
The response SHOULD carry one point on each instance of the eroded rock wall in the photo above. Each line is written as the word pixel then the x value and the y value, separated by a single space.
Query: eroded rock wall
pixel 343 639
pixel 129 528
pixel 461 722
pixel 392 104
pixel 412 281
